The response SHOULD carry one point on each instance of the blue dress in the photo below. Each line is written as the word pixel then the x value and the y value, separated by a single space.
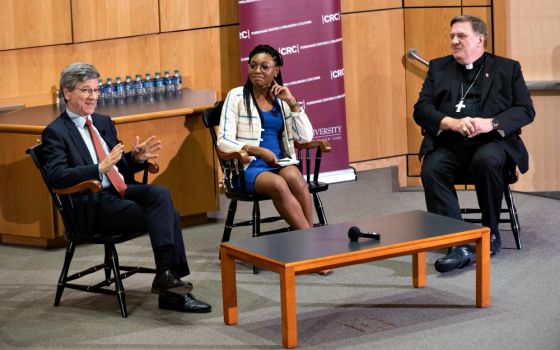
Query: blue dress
pixel 272 123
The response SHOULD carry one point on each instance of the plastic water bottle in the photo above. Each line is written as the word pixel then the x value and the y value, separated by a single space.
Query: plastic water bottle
pixel 139 86
pixel 109 88
pixel 119 88
pixel 128 87
pixel 101 96
pixel 168 82
pixel 160 89
pixel 177 80
pixel 149 85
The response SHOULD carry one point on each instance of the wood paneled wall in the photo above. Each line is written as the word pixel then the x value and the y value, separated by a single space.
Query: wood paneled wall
pixel 34 23
pixel 529 32
pixel 431 3
pixel 108 19
pixel 347 6
pixel 196 14
pixel 374 80
pixel 119 37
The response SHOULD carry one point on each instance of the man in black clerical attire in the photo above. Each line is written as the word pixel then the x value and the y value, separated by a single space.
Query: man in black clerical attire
pixel 81 145
pixel 472 107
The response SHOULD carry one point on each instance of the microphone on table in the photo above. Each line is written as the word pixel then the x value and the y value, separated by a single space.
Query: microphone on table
pixel 354 233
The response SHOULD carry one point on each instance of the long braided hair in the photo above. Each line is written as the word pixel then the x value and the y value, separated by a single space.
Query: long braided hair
pixel 248 87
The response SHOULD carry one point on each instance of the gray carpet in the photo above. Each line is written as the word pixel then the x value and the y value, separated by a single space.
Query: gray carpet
pixel 370 306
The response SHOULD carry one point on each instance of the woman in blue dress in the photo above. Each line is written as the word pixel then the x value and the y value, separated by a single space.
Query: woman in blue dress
pixel 263 118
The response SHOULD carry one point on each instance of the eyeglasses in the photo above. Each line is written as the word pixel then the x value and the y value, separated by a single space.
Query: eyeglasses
pixel 264 67
pixel 89 92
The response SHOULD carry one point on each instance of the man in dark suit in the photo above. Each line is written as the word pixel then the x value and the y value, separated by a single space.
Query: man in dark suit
pixel 80 145
pixel 471 107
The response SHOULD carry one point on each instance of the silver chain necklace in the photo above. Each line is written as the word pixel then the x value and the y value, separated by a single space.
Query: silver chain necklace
pixel 461 103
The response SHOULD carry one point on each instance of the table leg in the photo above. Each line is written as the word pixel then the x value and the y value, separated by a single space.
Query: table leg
pixel 419 270
pixel 229 287
pixel 483 271
pixel 288 305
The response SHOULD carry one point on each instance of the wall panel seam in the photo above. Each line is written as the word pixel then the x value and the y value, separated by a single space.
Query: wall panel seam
pixel 374 10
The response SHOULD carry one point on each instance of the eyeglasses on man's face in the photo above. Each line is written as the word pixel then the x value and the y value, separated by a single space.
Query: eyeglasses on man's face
pixel 89 91
pixel 265 67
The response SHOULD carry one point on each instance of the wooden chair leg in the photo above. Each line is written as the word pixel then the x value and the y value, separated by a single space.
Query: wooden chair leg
pixel 513 216
pixel 119 289
pixel 64 273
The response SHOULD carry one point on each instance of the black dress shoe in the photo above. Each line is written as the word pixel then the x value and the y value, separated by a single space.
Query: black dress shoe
pixel 495 243
pixel 182 302
pixel 169 282
pixel 456 258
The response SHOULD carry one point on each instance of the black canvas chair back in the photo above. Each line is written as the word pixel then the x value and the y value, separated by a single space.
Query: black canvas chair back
pixel 233 178
pixel 75 206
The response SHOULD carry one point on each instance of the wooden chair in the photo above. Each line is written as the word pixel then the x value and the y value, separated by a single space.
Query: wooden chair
pixel 78 218
pixel 510 177
pixel 309 154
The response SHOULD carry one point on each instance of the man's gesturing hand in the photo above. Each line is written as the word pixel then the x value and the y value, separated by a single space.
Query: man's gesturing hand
pixel 145 150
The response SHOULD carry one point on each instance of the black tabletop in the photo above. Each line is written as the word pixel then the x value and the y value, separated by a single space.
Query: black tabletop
pixel 333 239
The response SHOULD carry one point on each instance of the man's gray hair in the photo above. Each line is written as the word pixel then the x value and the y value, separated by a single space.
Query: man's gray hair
pixel 75 73
pixel 477 24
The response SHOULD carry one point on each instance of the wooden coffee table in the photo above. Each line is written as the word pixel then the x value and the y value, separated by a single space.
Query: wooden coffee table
pixel 328 247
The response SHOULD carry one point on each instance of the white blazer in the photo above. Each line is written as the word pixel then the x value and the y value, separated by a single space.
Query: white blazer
pixel 235 131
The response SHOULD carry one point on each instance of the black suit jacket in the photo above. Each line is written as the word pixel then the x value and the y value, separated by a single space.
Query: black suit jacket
pixel 504 97
pixel 67 159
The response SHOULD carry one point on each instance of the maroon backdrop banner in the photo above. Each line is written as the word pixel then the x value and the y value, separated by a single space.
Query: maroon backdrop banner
pixel 308 34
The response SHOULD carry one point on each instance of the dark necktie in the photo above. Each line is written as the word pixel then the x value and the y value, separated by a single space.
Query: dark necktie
pixel 112 174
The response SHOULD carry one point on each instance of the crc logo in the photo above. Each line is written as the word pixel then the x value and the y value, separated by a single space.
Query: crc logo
pixel 289 50
pixel 246 34
pixel 337 73
pixel 333 17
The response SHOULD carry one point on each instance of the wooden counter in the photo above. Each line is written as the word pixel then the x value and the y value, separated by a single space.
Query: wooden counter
pixel 187 166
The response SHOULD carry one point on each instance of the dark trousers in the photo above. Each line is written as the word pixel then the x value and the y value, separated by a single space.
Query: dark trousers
pixel 484 162
pixel 145 208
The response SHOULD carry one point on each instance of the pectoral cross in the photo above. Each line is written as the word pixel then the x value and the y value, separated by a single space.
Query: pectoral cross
pixel 460 105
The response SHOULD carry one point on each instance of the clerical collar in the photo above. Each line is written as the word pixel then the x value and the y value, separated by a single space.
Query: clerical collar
pixel 476 64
